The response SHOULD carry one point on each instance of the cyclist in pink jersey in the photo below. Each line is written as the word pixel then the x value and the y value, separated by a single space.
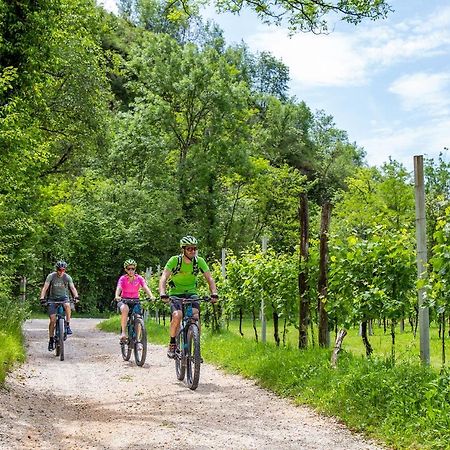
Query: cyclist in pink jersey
pixel 128 287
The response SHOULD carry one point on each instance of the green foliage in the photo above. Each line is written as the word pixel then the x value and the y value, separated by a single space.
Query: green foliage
pixel 308 15
pixel 257 276
pixel 12 316
pixel 372 265
pixel 372 277
pixel 12 351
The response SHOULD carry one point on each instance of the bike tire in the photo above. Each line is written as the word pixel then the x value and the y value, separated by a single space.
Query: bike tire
pixel 60 340
pixel 56 343
pixel 193 361
pixel 180 362
pixel 126 348
pixel 140 342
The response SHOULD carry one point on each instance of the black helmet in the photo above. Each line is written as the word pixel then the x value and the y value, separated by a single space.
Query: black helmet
pixel 61 265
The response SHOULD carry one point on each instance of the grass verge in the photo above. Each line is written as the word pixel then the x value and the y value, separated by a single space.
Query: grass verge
pixel 12 350
pixel 404 405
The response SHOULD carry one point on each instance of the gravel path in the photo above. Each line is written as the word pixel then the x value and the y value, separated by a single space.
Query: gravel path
pixel 95 400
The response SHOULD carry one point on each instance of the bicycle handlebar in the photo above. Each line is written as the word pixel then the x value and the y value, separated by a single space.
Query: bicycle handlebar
pixel 135 300
pixel 57 302
pixel 192 299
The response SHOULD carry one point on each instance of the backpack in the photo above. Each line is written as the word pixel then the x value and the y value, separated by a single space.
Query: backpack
pixel 195 267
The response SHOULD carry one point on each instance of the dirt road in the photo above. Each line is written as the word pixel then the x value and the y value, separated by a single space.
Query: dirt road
pixel 95 400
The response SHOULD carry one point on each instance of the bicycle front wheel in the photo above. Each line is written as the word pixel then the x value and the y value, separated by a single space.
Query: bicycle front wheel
pixel 126 346
pixel 59 344
pixel 180 361
pixel 140 341
pixel 193 357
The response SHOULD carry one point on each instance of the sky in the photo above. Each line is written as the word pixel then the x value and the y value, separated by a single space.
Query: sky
pixel 386 83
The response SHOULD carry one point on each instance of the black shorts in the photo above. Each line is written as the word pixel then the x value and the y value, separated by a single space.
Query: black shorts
pixel 175 305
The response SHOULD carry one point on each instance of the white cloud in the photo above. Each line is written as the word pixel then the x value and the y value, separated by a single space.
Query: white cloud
pixel 109 5
pixel 425 92
pixel 403 143
pixel 352 58
pixel 314 60
pixel 439 19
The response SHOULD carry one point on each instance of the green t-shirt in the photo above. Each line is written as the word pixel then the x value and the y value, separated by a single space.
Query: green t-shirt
pixel 59 286
pixel 184 281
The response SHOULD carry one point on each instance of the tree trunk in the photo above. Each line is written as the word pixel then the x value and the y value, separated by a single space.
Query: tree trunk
pixel 276 334
pixel 416 320
pixel 231 219
pixel 303 272
pixel 240 322
pixel 365 339
pixel 324 334
pixel 254 324
pixel 311 325
pixel 393 340
pixel 215 319
pixel 443 339
pixel 337 347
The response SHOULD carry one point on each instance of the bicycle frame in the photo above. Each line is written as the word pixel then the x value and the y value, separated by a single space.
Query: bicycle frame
pixel 59 333
pixel 136 332
pixel 187 354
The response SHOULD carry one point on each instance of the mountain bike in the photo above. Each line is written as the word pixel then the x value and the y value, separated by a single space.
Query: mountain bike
pixel 59 334
pixel 136 333
pixel 187 353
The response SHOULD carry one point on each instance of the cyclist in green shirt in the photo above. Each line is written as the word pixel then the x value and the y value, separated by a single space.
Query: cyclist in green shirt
pixel 181 271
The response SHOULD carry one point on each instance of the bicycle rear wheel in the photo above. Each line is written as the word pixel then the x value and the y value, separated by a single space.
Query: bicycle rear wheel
pixel 59 344
pixel 193 357
pixel 140 341
pixel 180 365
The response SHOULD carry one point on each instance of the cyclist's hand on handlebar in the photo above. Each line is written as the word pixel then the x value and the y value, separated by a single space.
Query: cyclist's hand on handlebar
pixel 43 301
pixel 214 298
pixel 76 299
pixel 164 298
pixel 117 299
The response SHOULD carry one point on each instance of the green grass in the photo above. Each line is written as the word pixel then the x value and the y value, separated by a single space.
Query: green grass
pixel 407 346
pixel 12 350
pixel 404 405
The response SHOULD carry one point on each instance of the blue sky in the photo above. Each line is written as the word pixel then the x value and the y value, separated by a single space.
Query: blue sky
pixel 387 83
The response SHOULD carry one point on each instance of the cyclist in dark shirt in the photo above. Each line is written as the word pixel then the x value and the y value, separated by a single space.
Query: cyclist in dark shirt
pixel 56 289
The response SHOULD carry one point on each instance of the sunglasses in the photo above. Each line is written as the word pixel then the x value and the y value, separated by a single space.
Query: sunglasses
pixel 130 268
pixel 190 249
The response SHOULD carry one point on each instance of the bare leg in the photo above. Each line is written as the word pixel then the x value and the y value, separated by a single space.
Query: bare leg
pixel 51 325
pixel 123 318
pixel 68 311
pixel 175 323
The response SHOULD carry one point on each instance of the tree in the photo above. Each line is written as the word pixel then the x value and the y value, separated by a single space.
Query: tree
pixel 191 116
pixel 307 15
pixel 372 272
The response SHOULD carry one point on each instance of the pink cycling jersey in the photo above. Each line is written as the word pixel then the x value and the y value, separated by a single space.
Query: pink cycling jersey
pixel 130 287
